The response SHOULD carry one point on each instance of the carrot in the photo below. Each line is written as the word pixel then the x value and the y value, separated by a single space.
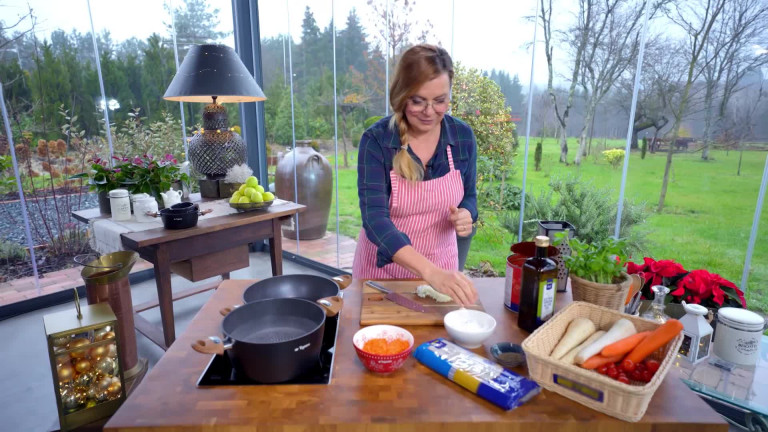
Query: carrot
pixel 625 345
pixel 657 339
pixel 598 360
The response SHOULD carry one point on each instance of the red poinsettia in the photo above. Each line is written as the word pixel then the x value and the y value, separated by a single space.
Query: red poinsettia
pixel 697 286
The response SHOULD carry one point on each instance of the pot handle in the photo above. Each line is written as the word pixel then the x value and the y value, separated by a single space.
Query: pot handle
pixel 332 305
pixel 205 212
pixel 342 281
pixel 226 310
pixel 152 214
pixel 211 346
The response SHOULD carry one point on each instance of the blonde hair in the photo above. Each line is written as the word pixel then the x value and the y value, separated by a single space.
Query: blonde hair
pixel 417 66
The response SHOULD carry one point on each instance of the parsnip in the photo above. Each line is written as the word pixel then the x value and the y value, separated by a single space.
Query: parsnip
pixel 620 329
pixel 571 356
pixel 577 332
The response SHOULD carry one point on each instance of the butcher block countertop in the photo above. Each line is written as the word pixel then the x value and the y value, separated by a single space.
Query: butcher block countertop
pixel 414 398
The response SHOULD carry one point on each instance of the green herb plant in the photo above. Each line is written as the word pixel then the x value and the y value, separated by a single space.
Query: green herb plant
pixel 602 261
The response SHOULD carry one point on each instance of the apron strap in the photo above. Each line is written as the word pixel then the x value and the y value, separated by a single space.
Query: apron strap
pixel 450 158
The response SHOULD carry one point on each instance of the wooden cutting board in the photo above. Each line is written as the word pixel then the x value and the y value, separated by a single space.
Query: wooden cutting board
pixel 378 310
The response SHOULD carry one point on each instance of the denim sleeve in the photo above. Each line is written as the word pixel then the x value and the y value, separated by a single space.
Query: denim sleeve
pixel 373 189
pixel 470 179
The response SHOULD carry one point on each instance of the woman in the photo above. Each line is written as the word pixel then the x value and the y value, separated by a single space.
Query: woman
pixel 416 181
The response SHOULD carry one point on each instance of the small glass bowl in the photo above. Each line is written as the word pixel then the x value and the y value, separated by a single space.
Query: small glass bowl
pixel 508 354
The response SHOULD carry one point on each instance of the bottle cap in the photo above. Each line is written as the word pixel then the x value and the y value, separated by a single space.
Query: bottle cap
pixel 542 241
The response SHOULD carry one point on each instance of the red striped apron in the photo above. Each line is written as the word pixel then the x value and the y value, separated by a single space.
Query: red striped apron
pixel 421 210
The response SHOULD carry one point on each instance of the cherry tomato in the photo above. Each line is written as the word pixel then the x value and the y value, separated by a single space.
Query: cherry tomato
pixel 612 372
pixel 652 365
pixel 602 369
pixel 646 375
pixel 628 365
pixel 636 375
pixel 623 378
pixel 640 367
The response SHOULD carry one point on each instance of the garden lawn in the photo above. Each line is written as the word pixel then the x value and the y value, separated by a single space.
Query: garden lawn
pixel 705 223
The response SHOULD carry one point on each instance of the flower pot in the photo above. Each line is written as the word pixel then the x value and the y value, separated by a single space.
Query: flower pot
pixel 611 296
pixel 104 203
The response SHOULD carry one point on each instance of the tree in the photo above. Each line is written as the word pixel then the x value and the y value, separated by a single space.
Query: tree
pixel 157 70
pixel 510 88
pixel 585 21
pixel 478 101
pixel 50 86
pixel 739 117
pixel 195 23
pixel 729 55
pixel 612 49
pixel 403 25
pixel 696 19
pixel 352 45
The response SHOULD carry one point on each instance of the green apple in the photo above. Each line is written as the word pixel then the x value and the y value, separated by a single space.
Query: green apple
pixel 244 200
pixel 259 189
pixel 255 197
pixel 242 188
pixel 248 191
pixel 268 196
pixel 236 196
pixel 252 182
pixel 234 199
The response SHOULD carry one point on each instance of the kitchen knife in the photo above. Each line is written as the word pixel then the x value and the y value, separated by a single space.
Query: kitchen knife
pixel 398 298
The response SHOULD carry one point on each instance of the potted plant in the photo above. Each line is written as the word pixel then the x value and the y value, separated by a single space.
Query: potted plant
pixel 150 175
pixel 597 271
pixel 101 179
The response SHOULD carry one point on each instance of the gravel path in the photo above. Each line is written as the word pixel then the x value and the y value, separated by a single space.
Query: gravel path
pixel 55 212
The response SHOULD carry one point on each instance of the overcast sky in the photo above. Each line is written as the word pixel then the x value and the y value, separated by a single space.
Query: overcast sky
pixel 487 34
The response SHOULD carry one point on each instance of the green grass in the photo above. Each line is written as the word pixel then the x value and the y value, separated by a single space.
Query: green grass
pixel 705 223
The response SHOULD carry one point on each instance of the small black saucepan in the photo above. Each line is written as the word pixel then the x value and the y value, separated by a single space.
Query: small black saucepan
pixel 273 340
pixel 303 286
pixel 182 220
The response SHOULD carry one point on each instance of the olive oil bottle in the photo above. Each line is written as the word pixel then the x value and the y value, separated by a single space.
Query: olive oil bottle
pixel 537 291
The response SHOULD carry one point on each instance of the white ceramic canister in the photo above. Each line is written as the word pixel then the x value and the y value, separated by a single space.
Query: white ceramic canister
pixel 738 334
pixel 120 204
pixel 143 205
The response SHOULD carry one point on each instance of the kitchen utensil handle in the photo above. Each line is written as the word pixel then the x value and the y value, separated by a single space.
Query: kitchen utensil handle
pixel 343 281
pixel 332 305
pixel 211 346
pixel 378 287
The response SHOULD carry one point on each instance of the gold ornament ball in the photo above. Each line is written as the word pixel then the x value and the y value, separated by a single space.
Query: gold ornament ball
pixel 114 388
pixel 104 383
pixel 65 372
pixel 76 344
pixel 84 379
pixel 98 352
pixel 104 336
pixel 105 365
pixel 62 360
pixel 61 341
pixel 72 400
pixel 112 351
pixel 93 392
pixel 83 365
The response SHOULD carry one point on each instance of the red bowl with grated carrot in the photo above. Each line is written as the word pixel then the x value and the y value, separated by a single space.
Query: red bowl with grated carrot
pixel 383 348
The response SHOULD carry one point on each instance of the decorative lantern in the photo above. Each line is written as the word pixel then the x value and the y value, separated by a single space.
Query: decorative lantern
pixel 697 333
pixel 84 353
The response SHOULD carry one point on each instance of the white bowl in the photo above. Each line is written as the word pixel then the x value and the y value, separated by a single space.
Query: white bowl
pixel 468 327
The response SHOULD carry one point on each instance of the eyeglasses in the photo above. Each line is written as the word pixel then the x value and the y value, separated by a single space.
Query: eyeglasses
pixel 417 105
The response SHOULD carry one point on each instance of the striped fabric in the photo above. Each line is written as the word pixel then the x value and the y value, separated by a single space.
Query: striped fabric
pixel 421 210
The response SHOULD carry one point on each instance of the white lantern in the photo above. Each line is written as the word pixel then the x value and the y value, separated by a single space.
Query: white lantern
pixel 697 333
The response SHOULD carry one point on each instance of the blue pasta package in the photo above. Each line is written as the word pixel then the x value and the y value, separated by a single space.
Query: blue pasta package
pixel 476 373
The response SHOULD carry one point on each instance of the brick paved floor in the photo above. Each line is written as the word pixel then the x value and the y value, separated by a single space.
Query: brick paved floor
pixel 322 250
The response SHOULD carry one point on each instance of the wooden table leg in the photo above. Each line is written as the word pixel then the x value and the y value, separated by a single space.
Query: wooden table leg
pixel 276 248
pixel 165 294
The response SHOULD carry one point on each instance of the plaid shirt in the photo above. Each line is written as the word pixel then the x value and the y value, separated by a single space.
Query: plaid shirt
pixel 378 147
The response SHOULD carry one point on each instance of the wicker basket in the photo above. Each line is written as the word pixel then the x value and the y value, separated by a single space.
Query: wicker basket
pixel 625 401
pixel 612 296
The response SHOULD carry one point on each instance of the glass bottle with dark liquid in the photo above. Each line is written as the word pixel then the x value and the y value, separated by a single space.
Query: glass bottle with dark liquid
pixel 537 291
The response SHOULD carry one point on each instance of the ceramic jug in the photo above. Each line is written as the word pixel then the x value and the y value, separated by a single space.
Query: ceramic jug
pixel 171 197
pixel 143 205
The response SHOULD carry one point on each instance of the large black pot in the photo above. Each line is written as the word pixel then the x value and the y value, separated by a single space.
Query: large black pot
pixel 179 219
pixel 303 286
pixel 272 340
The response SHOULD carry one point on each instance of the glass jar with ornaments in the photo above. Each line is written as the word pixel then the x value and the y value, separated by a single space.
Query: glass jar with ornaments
pixel 84 351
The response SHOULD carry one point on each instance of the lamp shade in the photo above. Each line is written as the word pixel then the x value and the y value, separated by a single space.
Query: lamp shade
pixel 213 70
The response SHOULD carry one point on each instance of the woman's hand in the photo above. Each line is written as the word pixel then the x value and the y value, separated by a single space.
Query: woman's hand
pixel 452 283
pixel 462 221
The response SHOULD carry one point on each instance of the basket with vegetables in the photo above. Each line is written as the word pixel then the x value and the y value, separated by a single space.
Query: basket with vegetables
pixel 601 358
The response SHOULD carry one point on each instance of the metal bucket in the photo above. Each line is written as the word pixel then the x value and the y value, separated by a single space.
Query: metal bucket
pixel 106 280
pixel 514 274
